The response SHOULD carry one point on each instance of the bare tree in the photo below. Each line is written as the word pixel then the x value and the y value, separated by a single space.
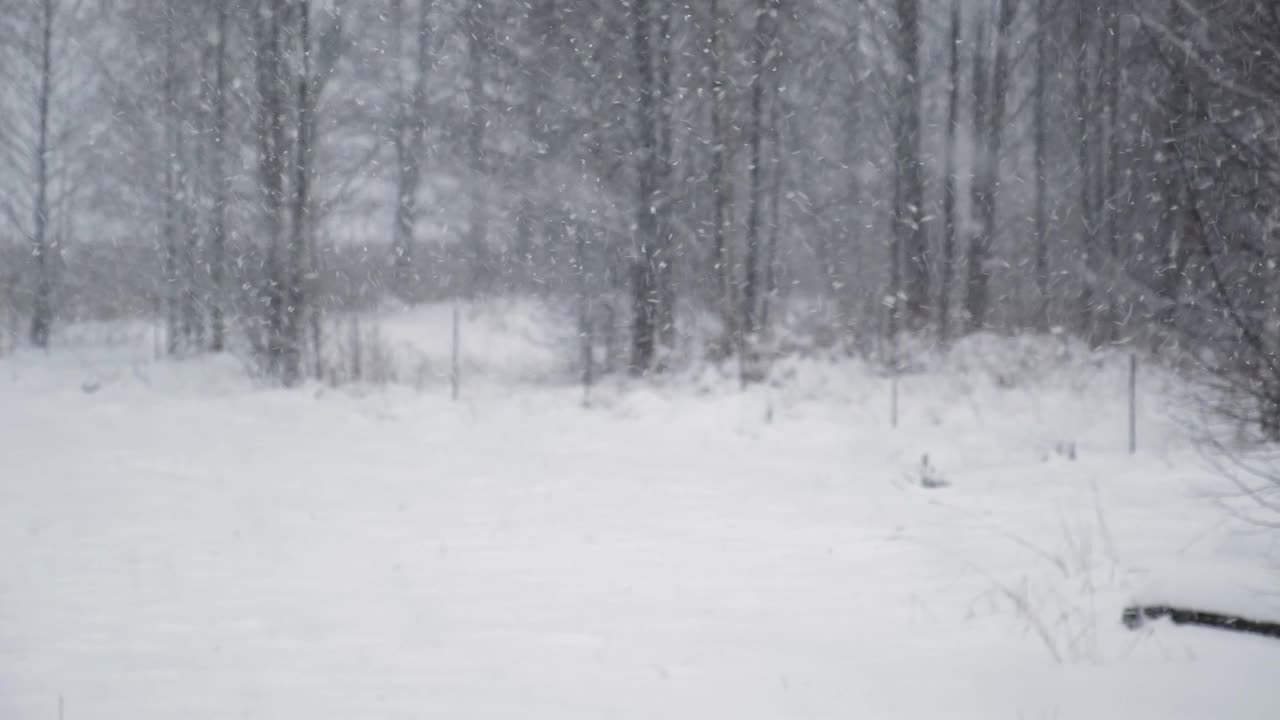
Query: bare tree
pixel 1225 100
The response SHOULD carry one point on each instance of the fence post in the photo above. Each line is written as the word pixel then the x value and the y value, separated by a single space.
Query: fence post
pixel 585 329
pixel 455 378
pixel 588 341
pixel 1133 403
pixel 893 398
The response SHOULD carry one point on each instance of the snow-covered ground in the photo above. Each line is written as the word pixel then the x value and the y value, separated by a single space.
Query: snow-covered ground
pixel 180 543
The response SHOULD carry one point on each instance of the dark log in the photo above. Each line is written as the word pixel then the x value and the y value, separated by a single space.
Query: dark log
pixel 1135 616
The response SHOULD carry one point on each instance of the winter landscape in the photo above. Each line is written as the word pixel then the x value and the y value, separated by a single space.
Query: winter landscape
pixel 183 542
pixel 639 359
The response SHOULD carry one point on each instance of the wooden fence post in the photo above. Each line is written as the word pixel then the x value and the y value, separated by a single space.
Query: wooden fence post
pixel 1133 403
pixel 455 376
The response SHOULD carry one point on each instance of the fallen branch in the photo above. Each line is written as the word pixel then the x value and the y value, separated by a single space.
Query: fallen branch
pixel 1135 616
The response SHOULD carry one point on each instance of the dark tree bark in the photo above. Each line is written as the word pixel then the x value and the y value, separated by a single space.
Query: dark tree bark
pixel 763 47
pixel 220 185
pixel 909 212
pixel 1041 169
pixel 187 155
pixel 775 189
pixel 644 260
pixel 978 287
pixel 41 249
pixel 1136 616
pixel 295 295
pixel 978 173
pixel 1089 225
pixel 475 21
pixel 1109 164
pixel 409 138
pixel 1176 244
pixel 721 180
pixel 272 153
pixel 173 281
pixel 947 270
pixel 665 318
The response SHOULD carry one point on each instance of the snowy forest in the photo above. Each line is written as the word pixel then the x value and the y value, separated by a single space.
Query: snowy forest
pixel 240 169
pixel 639 358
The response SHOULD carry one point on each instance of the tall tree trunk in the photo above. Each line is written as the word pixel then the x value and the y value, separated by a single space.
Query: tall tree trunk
pixel 644 290
pixel 271 166
pixel 668 252
pixel 410 141
pixel 41 250
pixel 1086 139
pixel 296 301
pixel 1041 168
pixel 775 190
pixel 192 268
pixel 908 161
pixel 947 271
pixel 188 155
pixel 221 191
pixel 836 253
pixel 1175 218
pixel 475 20
pixel 978 176
pixel 979 280
pixel 762 49
pixel 1110 167
pixel 172 188
pixel 721 180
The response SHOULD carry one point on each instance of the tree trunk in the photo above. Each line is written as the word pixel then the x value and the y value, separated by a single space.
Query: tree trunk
pixel 271 166
pixel 668 254
pixel 909 218
pixel 947 271
pixel 775 190
pixel 1176 231
pixel 644 290
pixel 1041 169
pixel 221 191
pixel 1111 167
pixel 173 291
pixel 1088 212
pixel 410 141
pixel 762 50
pixel 296 301
pixel 974 314
pixel 721 181
pixel 189 280
pixel 42 305
pixel 836 251
pixel 978 298
pixel 481 270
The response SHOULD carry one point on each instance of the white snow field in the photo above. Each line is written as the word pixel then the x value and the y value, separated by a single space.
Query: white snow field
pixel 178 542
